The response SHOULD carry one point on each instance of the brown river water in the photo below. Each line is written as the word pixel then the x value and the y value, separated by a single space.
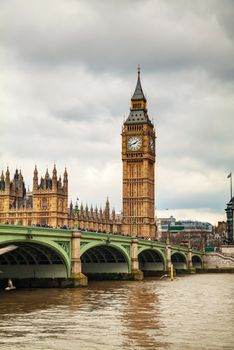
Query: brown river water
pixel 191 312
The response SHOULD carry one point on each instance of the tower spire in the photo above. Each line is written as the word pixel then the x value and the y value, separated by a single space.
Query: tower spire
pixel 54 178
pixel 138 142
pixel 138 110
pixel 138 93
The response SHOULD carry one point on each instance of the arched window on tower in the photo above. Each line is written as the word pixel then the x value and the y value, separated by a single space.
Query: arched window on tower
pixel 44 203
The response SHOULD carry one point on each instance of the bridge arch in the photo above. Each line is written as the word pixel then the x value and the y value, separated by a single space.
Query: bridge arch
pixel 34 259
pixel 179 261
pixel 197 262
pixel 104 259
pixel 151 260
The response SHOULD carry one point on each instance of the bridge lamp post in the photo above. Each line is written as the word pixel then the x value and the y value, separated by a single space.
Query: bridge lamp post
pixel 76 210
pixel 168 232
pixel 76 206
pixel 189 240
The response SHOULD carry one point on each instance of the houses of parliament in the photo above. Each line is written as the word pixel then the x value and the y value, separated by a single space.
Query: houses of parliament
pixel 47 203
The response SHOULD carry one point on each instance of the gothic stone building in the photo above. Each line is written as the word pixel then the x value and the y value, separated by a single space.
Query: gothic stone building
pixel 138 157
pixel 47 204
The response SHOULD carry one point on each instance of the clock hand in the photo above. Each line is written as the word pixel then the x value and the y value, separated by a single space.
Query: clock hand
pixel 133 143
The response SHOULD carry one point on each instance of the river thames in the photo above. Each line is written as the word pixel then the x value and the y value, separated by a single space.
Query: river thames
pixel 191 312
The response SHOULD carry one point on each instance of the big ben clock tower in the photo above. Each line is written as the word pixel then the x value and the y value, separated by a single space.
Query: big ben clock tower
pixel 138 157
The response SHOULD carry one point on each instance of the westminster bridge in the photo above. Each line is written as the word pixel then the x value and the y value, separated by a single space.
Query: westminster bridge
pixel 60 258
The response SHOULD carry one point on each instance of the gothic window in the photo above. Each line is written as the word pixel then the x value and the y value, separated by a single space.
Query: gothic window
pixel 44 203
pixel 60 204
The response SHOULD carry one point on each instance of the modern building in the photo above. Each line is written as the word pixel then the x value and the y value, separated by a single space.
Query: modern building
pixel 163 225
pixel 196 233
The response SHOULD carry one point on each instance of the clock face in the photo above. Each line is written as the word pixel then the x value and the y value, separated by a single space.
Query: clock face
pixel 151 143
pixel 134 143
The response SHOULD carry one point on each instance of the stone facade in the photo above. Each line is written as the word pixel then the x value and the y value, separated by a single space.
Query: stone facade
pixel 94 220
pixel 47 204
pixel 218 261
pixel 227 250
pixel 138 157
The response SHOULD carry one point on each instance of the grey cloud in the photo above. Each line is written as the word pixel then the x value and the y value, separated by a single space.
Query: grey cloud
pixel 224 15
pixel 94 36
pixel 67 74
pixel 216 201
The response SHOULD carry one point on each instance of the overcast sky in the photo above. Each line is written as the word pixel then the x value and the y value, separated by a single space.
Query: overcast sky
pixel 68 69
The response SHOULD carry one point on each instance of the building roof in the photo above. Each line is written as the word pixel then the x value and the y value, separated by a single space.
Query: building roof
pixel 138 117
pixel 138 93
pixel 138 112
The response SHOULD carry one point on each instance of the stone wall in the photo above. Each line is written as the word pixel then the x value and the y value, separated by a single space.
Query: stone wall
pixel 218 261
pixel 228 250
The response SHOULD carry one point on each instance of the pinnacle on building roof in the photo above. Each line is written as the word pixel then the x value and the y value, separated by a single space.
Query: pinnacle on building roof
pixel 138 93
pixel 47 173
pixel 16 175
pixel 35 171
pixel 113 214
pixel 76 206
pixel 54 171
pixel 65 173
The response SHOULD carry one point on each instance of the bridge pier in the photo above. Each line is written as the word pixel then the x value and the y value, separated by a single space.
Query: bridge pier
pixel 48 257
pixel 77 279
pixel 191 268
pixel 136 273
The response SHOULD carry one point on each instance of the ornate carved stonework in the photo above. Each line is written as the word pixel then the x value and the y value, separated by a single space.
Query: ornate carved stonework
pixel 138 157
pixel 65 246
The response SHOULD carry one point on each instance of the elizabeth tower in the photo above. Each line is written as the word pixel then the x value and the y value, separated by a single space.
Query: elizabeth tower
pixel 138 157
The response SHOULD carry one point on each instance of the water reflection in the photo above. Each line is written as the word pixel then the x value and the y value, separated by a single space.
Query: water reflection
pixel 193 312
pixel 141 318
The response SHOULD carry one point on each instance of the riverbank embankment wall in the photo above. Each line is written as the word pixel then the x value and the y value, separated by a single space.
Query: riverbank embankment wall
pixel 219 262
